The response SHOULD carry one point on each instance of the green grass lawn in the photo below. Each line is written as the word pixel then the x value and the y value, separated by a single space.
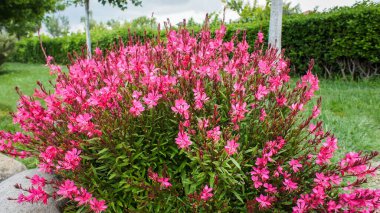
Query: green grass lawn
pixel 23 76
pixel 351 110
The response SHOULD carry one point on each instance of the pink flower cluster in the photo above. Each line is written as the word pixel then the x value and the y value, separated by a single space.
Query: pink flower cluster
pixel 206 193
pixel 67 189
pixel 327 150
pixel 164 181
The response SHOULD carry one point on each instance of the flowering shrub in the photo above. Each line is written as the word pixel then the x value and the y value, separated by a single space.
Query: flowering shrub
pixel 193 123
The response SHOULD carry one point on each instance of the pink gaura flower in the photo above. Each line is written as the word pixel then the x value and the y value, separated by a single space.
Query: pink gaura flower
pixel 281 100
pixel 49 154
pixel 181 107
pixel 327 150
pixel 335 179
pixel 67 189
pixel 37 180
pixel 183 140
pixel 22 198
pixel 261 92
pixel 164 182
pixel 321 180
pixel 264 201
pixel 214 134
pixel 136 94
pixel 98 51
pixel 231 147
pixel 289 184
pixel 239 87
pixel 311 79
pixel 332 206
pixel 97 206
pixel 281 66
pixel 257 183
pixel 320 193
pixel 137 108
pixel 200 95
pixel 264 67
pixel 301 207
pixel 83 197
pixel 238 111
pixel 263 114
pixel 260 37
pixel 45 167
pixel 312 127
pixel 71 160
pixel 206 193
pixel 274 83
pixel 262 162
pixel 200 99
pixel 269 188
pixel 83 119
pixel 297 107
pixel 295 165
pixel 203 123
pixel 151 99
pixel 316 112
pixel 153 176
pixel 36 194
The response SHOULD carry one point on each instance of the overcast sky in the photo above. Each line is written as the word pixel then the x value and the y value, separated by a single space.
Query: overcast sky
pixel 176 10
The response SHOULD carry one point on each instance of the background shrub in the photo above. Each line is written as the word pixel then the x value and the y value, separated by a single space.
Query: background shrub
pixel 343 41
pixel 7 46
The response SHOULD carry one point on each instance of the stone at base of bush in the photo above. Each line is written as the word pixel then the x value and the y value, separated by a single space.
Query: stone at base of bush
pixel 9 167
pixel 7 190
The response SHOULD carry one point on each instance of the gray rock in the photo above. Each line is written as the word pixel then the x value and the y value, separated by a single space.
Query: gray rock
pixel 7 190
pixel 9 167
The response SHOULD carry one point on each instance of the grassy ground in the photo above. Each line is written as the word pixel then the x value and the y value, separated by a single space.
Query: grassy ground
pixel 351 110
pixel 23 76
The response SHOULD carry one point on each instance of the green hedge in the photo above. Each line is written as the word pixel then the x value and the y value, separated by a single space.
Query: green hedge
pixel 340 39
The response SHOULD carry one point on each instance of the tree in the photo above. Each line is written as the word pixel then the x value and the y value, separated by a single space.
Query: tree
pixel 113 24
pixel 288 9
pixel 235 5
pixel 57 25
pixel 192 23
pixel 7 44
pixel 275 24
pixel 258 13
pixel 144 22
pixel 24 16
pixel 122 4
pixel 92 21
pixel 273 11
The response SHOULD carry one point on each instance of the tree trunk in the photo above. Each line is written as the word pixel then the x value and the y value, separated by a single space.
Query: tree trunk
pixel 88 37
pixel 275 25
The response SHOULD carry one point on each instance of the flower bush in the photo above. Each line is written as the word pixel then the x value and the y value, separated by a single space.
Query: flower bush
pixel 192 123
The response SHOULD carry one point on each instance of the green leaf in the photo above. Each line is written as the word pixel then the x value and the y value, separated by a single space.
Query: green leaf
pixel 212 178
pixel 238 196
pixel 102 151
pixel 235 162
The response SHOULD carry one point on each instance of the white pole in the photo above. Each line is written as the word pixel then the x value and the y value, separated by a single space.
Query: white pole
pixel 88 36
pixel 275 24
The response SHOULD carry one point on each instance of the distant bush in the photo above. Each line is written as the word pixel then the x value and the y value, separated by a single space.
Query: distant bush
pixel 343 41
pixel 7 46
pixel 192 123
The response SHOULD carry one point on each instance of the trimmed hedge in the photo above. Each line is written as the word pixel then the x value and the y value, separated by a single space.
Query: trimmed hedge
pixel 343 41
